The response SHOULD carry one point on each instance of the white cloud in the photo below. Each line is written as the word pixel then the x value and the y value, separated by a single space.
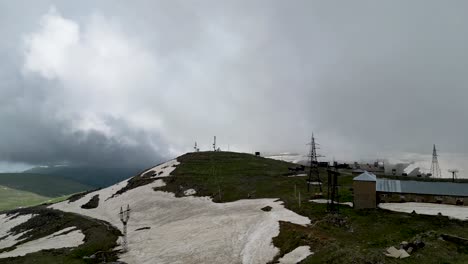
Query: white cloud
pixel 102 71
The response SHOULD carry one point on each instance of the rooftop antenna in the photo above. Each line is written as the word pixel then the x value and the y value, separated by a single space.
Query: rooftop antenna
pixel 124 216
pixel 313 163
pixel 435 169
pixel 214 144
pixel 454 174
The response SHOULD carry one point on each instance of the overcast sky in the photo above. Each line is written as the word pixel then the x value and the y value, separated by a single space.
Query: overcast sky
pixel 128 83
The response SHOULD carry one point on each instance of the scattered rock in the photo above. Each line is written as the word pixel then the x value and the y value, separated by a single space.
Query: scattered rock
pixel 396 253
pixel 455 239
pixel 143 228
pixel 92 203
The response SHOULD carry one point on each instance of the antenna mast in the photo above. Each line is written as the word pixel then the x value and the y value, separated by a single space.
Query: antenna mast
pixel 214 144
pixel 435 169
pixel 313 163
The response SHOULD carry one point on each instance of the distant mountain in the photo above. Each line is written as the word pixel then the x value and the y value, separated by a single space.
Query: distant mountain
pixel 44 185
pixel 95 177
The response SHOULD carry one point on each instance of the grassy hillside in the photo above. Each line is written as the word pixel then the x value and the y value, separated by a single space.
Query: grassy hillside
pixel 12 198
pixel 90 176
pixel 43 185
pixel 348 237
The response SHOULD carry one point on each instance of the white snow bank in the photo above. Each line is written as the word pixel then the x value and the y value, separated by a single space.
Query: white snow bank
pixel 6 224
pixel 190 192
pixel 191 229
pixel 55 240
pixel 452 211
pixel 163 170
pixel 298 175
pixel 296 255
pixel 323 201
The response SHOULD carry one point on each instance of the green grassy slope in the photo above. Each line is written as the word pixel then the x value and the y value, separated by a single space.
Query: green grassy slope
pixel 43 185
pixel 349 237
pixel 12 198
pixel 89 176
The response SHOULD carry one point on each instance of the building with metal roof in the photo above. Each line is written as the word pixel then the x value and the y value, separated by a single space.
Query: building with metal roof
pixel 422 187
pixel 370 190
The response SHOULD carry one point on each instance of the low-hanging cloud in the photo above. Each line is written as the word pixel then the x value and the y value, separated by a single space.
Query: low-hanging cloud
pixel 147 79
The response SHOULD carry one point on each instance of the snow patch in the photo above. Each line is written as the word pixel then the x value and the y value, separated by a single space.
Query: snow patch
pixel 452 211
pixel 55 240
pixel 298 175
pixel 191 229
pixel 189 192
pixel 163 170
pixel 296 256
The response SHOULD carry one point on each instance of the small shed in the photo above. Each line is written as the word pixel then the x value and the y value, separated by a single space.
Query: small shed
pixel 364 187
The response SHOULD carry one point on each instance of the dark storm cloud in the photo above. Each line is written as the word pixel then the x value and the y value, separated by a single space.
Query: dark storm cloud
pixel 118 81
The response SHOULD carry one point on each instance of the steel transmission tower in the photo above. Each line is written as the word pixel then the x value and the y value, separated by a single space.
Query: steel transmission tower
pixel 313 163
pixel 435 169
pixel 124 216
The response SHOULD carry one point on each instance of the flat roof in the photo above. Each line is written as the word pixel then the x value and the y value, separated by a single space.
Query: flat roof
pixel 421 187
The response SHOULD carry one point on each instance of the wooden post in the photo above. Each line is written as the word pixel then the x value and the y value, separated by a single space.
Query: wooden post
pixel 299 199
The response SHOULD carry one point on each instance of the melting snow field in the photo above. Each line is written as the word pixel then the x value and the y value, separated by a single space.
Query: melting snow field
pixel 296 255
pixel 189 229
pixel 56 240
pixel 60 239
pixel 7 223
pixel 452 211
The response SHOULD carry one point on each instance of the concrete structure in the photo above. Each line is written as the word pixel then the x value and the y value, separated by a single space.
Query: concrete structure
pixel 364 187
pixel 369 190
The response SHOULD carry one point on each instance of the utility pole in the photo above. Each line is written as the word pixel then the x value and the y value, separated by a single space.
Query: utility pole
pixel 454 174
pixel 435 169
pixel 124 216
pixel 313 164
pixel 333 196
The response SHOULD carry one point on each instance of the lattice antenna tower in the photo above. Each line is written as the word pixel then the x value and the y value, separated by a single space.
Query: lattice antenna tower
pixel 435 169
pixel 124 217
pixel 313 163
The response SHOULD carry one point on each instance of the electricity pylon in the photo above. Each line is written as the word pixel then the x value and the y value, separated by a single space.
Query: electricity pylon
pixel 435 169
pixel 124 216
pixel 313 163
